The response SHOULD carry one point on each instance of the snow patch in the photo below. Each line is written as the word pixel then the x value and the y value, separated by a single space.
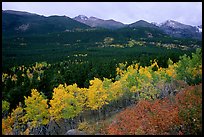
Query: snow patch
pixel 199 29
pixel 156 24
pixel 82 17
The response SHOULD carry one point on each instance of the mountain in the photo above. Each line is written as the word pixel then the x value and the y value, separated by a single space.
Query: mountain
pixel 96 22
pixel 175 25
pixel 81 18
pixel 199 28
pixel 155 23
pixel 178 29
pixel 172 28
pixel 18 12
pixel 24 23
pixel 17 22
pixel 142 23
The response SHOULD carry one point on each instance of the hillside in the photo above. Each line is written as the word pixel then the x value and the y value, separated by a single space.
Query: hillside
pixel 176 29
pixel 23 23
pixel 142 23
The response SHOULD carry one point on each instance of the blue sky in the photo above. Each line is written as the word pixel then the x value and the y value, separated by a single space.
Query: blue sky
pixel 127 12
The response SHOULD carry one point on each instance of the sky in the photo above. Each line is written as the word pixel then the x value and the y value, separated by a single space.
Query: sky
pixel 126 12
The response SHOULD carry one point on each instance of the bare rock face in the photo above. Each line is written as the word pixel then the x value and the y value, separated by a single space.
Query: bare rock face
pixel 23 27
pixel 74 132
pixel 96 22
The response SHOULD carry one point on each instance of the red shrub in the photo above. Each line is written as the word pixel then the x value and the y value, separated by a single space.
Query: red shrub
pixel 146 118
pixel 161 116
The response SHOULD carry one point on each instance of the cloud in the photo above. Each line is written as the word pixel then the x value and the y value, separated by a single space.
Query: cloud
pixel 126 12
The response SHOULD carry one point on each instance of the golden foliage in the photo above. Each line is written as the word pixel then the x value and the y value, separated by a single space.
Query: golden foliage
pixel 36 109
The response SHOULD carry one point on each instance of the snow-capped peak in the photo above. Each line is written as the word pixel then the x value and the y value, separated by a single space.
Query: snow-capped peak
pixel 175 25
pixel 83 17
pixel 156 24
pixel 171 23
pixel 199 28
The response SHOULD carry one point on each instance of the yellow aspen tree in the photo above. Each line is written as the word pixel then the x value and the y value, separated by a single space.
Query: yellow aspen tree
pixel 36 109
pixel 67 102
pixel 97 95
pixel 79 97
pixel 115 91
pixel 57 102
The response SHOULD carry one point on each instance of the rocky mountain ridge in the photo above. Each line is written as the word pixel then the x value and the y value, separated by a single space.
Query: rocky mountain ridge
pixel 17 22
pixel 96 22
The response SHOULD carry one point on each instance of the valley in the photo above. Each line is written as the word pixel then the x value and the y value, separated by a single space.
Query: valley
pixel 80 71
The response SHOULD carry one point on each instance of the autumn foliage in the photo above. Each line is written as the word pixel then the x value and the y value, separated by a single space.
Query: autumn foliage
pixel 135 83
pixel 36 109
pixel 165 116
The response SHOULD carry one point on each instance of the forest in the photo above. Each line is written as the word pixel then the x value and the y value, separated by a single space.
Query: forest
pixel 99 81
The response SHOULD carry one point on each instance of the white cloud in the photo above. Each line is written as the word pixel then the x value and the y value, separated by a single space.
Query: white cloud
pixel 126 12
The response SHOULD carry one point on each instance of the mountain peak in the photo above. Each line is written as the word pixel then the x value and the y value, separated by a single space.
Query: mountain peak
pixel 27 23
pixel 93 18
pixel 199 28
pixel 97 22
pixel 83 17
pixel 171 23
pixel 175 24
pixel 156 24
pixel 17 12
pixel 142 23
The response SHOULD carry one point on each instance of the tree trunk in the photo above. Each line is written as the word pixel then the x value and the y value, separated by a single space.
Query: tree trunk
pixel 57 126
pixel 104 113
pixel 99 113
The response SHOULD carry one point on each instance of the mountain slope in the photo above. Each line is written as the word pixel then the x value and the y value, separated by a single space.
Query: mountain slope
pixel 142 23
pixel 180 30
pixel 96 22
pixel 15 22
pixel 171 28
pixel 24 23
pixel 199 28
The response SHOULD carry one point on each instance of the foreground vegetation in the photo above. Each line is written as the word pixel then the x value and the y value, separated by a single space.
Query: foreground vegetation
pixel 174 115
pixel 72 104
